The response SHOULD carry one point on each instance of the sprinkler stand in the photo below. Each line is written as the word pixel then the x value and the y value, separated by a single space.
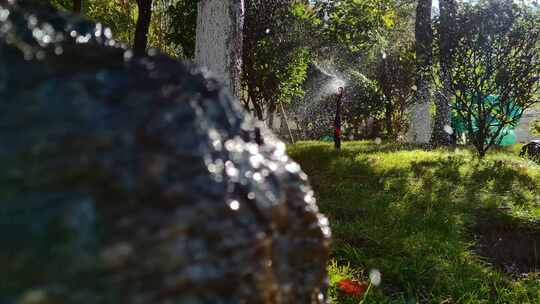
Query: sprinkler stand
pixel 337 120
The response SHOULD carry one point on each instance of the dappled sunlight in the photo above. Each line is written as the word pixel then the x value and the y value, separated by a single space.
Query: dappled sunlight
pixel 408 212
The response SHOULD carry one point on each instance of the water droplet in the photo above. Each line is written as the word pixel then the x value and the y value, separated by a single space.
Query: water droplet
pixel 83 39
pixel 229 145
pixel 234 205
pixel 28 55
pixel 37 33
pixel 46 39
pixel 272 166
pixel 323 221
pixel 292 168
pixel 128 55
pixel 280 149
pixel 6 27
pixel 375 277
pixel 257 177
pixel 256 160
pixel 108 33
pixel 40 55
pixel 58 50
pixel 4 14
pixel 32 21
pixel 217 145
pixel 271 196
pixel 448 129
pixel 253 148
pixel 230 169
pixel 98 29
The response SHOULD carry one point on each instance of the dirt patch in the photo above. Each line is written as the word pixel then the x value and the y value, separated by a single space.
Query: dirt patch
pixel 509 244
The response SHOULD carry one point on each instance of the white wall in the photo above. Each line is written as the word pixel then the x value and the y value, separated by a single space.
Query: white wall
pixel 522 130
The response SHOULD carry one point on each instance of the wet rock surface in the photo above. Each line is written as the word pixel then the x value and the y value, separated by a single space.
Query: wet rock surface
pixel 139 180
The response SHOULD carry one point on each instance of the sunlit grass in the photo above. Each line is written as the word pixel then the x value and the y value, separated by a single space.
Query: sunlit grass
pixel 407 212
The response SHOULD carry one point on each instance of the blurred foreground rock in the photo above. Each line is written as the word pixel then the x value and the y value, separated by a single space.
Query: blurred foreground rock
pixel 139 180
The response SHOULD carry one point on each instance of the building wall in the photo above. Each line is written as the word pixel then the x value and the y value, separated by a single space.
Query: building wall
pixel 522 130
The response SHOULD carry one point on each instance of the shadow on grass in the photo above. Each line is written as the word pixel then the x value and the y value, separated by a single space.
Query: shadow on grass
pixel 412 220
pixel 500 179
pixel 510 244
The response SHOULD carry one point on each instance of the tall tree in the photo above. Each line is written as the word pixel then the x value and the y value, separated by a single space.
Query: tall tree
pixel 275 58
pixel 495 70
pixel 142 27
pixel 442 134
pixel 393 65
pixel 219 40
pixel 181 33
pixel 420 128
pixel 394 74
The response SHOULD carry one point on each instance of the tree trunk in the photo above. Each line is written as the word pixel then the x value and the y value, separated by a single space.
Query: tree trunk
pixel 143 25
pixel 271 111
pixel 420 130
pixel 285 120
pixel 77 6
pixel 270 123
pixel 448 10
pixel 219 40
pixel 258 110
pixel 388 113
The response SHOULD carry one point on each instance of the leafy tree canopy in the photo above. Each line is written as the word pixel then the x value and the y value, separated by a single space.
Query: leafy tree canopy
pixel 495 68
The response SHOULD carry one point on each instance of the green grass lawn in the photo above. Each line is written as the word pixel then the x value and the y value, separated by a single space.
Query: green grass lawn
pixel 411 214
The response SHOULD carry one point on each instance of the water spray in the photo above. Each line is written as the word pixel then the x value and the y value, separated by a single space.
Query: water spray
pixel 316 114
pixel 337 119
